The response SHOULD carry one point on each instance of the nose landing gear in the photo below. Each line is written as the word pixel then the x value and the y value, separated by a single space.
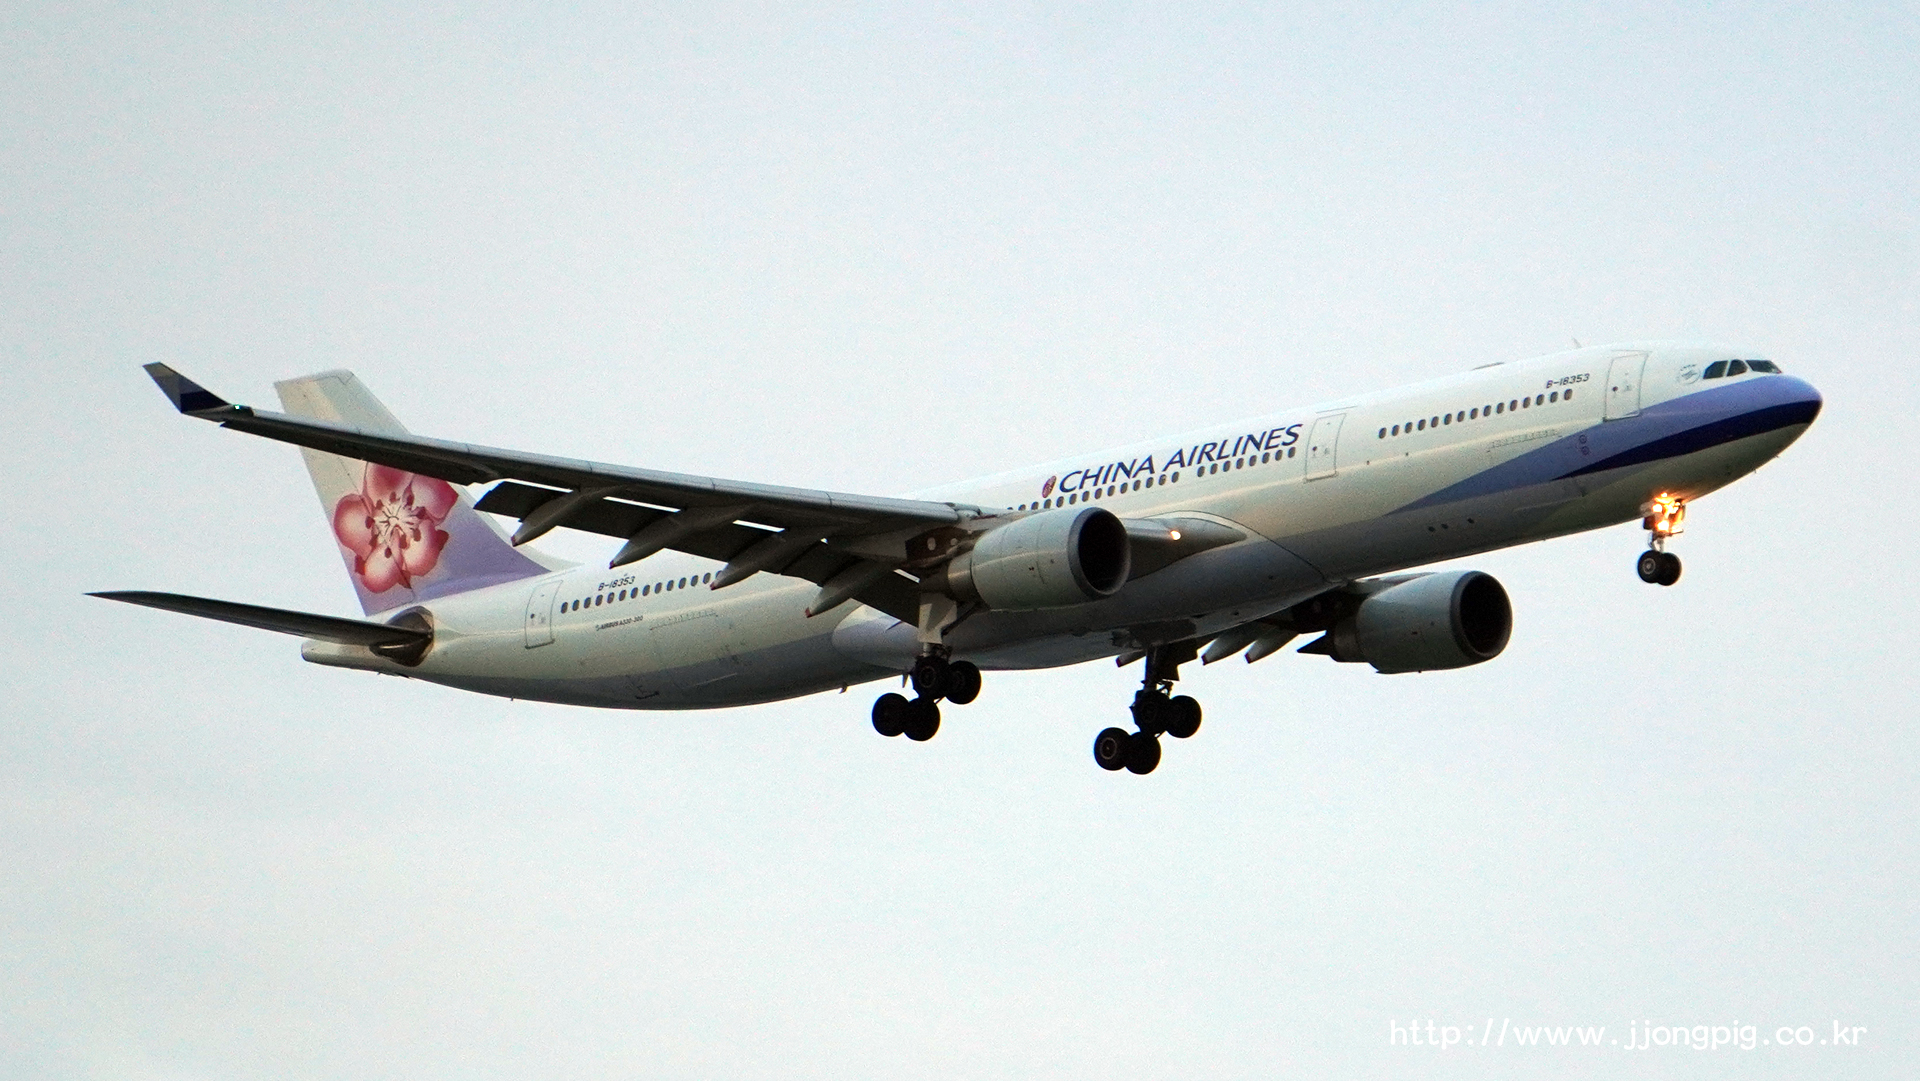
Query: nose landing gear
pixel 1666 514
pixel 1155 710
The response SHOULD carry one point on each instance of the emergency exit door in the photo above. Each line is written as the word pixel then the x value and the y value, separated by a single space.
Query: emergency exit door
pixel 1623 385
pixel 1323 447
pixel 540 613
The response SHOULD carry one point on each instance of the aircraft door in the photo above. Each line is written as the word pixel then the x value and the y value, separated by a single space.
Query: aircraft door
pixel 540 612
pixel 1623 385
pixel 1323 447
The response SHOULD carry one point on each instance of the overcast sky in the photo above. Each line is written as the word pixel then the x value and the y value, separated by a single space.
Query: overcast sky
pixel 874 249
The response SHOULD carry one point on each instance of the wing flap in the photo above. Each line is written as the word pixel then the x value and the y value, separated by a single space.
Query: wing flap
pixel 892 594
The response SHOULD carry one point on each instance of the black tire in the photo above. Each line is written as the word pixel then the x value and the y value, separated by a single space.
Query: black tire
pixel 931 677
pixel 1183 717
pixel 1110 748
pixel 1651 567
pixel 963 682
pixel 1143 753
pixel 890 714
pixel 1149 711
pixel 1669 568
pixel 923 719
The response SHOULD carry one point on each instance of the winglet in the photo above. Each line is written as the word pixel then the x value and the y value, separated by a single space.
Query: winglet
pixel 186 395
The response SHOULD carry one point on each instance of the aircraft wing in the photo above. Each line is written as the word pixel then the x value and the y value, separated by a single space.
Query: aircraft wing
pixel 851 545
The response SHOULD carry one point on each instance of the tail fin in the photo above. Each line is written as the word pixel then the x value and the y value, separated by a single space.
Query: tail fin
pixel 405 538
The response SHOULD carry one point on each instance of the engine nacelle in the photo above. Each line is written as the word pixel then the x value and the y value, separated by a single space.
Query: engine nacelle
pixel 1049 560
pixel 1436 621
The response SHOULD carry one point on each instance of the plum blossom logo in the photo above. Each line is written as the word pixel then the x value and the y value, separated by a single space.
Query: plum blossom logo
pixel 1047 488
pixel 392 526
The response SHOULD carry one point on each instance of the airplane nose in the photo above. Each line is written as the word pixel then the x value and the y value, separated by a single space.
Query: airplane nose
pixel 1809 398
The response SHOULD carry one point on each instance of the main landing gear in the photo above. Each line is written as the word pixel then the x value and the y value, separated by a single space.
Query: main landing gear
pixel 1666 515
pixel 933 677
pixel 1155 710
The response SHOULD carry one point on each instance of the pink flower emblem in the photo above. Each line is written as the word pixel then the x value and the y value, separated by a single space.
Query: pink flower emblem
pixel 392 526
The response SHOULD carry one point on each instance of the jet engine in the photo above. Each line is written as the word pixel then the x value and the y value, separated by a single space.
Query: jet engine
pixel 1049 560
pixel 1434 621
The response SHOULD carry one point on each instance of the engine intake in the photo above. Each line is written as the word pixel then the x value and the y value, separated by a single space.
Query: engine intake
pixel 1436 621
pixel 1049 560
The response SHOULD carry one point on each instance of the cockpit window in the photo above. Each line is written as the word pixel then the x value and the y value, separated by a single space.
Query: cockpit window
pixel 1717 369
pixel 1736 367
pixel 1767 366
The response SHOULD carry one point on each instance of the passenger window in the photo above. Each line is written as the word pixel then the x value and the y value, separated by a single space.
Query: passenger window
pixel 1554 397
pixel 1737 367
pixel 1500 408
pixel 683 583
pixel 1767 366
pixel 1423 425
pixel 1473 414
pixel 644 590
pixel 1566 396
pixel 706 579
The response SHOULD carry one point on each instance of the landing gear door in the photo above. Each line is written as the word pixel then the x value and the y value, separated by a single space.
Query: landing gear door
pixel 1623 385
pixel 1323 447
pixel 540 613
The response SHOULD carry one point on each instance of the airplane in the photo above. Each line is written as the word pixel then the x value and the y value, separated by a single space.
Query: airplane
pixel 1235 539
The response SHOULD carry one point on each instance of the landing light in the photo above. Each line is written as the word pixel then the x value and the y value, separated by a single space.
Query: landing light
pixel 1665 514
pixel 1173 535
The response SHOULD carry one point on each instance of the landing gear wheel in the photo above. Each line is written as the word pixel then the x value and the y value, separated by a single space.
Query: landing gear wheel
pixel 890 714
pixel 1143 753
pixel 1182 717
pixel 1150 711
pixel 963 682
pixel 1669 568
pixel 1110 748
pixel 1651 567
pixel 923 719
pixel 932 677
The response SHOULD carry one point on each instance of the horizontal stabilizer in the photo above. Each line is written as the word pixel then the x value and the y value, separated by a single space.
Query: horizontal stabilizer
pixel 350 632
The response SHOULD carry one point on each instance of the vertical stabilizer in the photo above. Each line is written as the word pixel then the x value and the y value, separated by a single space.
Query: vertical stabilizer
pixel 404 537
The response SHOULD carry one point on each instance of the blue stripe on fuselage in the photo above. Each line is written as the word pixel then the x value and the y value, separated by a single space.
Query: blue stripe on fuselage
pixel 1703 419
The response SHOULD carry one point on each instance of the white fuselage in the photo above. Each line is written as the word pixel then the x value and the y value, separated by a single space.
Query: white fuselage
pixel 1322 496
